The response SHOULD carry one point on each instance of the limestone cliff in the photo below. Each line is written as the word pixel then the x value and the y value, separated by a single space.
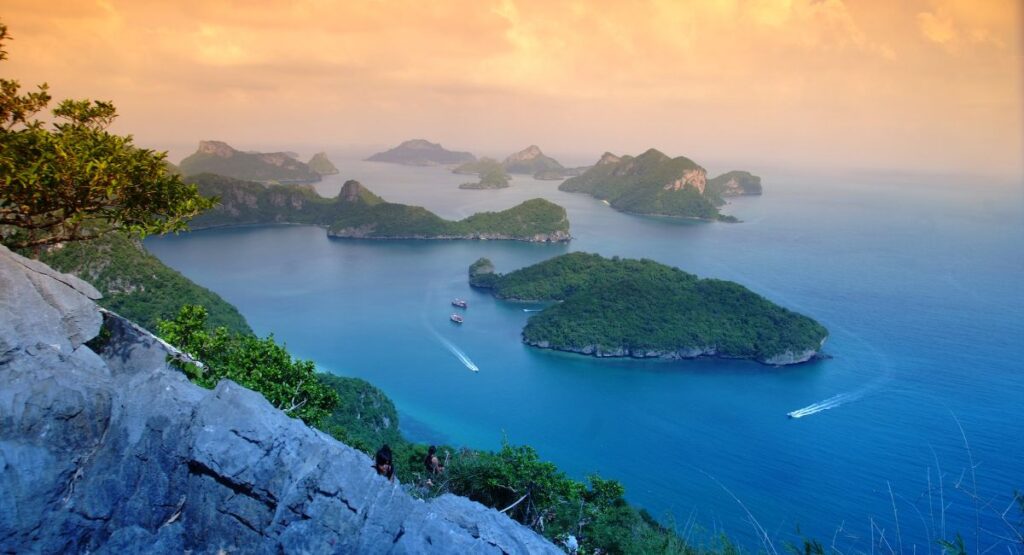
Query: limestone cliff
pixel 113 451
pixel 220 158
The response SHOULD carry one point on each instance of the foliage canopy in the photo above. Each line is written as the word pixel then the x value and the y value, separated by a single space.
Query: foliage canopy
pixel 257 363
pixel 77 180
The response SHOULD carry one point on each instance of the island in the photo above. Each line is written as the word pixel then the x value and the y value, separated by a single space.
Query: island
pixel 322 165
pixel 358 213
pixel 734 184
pixel 642 309
pixel 492 174
pixel 418 152
pixel 531 161
pixel 263 167
pixel 655 184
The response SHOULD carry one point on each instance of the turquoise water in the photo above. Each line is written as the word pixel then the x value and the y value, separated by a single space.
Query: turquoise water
pixel 918 280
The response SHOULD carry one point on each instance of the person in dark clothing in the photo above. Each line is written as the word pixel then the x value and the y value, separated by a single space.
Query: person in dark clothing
pixel 384 464
pixel 432 464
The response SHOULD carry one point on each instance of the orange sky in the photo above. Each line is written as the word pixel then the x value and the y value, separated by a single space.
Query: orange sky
pixel 920 84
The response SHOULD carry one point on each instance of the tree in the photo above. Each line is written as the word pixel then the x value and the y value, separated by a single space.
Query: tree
pixel 77 180
pixel 257 363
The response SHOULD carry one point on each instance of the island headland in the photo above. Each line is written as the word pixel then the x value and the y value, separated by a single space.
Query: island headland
pixel 263 167
pixel 655 184
pixel 642 309
pixel 357 213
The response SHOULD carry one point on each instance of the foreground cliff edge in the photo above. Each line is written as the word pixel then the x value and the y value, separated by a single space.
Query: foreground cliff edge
pixel 113 451
pixel 642 309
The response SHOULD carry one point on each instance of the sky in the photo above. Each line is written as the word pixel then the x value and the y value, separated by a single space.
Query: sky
pixel 931 86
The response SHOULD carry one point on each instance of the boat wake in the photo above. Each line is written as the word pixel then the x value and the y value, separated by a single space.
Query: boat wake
pixel 830 403
pixel 465 360
pixel 532 309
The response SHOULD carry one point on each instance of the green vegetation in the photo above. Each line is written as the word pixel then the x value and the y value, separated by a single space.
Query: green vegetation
pixel 322 165
pixel 492 174
pixel 365 418
pixel 358 213
pixel 652 184
pixel 258 364
pixel 622 307
pixel 57 183
pixel 136 284
pixel 265 167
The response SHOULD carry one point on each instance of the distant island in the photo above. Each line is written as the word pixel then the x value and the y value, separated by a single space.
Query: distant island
pixel 358 213
pixel 734 184
pixel 642 309
pixel 492 174
pixel 264 167
pixel 530 161
pixel 655 184
pixel 418 152
pixel 322 165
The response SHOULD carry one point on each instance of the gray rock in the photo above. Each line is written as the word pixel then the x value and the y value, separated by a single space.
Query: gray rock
pixel 117 452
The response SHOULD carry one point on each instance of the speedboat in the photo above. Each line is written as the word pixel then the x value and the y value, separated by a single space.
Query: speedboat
pixel 460 303
pixel 456 318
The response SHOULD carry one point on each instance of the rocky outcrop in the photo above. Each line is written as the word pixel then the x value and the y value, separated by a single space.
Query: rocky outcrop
pixel 220 158
pixel 531 161
pixel 735 183
pixel 322 165
pixel 113 451
pixel 686 353
pixel 367 231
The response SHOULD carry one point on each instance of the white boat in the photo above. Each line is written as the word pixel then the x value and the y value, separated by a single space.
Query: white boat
pixel 456 318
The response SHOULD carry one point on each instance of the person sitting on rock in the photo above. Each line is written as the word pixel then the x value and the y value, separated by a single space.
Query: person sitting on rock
pixel 432 464
pixel 384 464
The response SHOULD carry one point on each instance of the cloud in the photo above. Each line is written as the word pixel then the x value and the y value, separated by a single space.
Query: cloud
pixel 865 82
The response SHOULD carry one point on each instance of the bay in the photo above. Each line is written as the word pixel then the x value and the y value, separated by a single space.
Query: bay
pixel 917 278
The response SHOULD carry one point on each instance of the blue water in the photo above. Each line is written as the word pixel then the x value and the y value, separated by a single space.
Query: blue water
pixel 918 280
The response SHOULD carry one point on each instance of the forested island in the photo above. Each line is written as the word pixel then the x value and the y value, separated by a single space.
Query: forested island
pixel 265 167
pixel 642 309
pixel 419 152
pixel 655 184
pixel 492 174
pixel 358 213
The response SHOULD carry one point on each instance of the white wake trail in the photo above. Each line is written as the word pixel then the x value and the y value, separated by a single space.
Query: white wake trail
pixel 459 354
pixel 830 403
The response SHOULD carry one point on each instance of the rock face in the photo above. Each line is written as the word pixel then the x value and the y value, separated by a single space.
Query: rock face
pixel 322 165
pixel 116 452
pixel 418 152
pixel 736 183
pixel 220 158
pixel 531 161
pixel 651 183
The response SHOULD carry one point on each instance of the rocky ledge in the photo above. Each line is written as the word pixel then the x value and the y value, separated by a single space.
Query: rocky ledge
pixel 685 353
pixel 113 451
pixel 366 232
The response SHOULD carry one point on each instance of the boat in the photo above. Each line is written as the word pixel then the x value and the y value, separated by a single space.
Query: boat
pixel 460 303
pixel 456 318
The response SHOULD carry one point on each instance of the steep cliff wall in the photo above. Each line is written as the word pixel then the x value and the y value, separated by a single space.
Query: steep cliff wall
pixel 112 451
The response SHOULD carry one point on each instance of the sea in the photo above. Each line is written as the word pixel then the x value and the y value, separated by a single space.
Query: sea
pixel 911 431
